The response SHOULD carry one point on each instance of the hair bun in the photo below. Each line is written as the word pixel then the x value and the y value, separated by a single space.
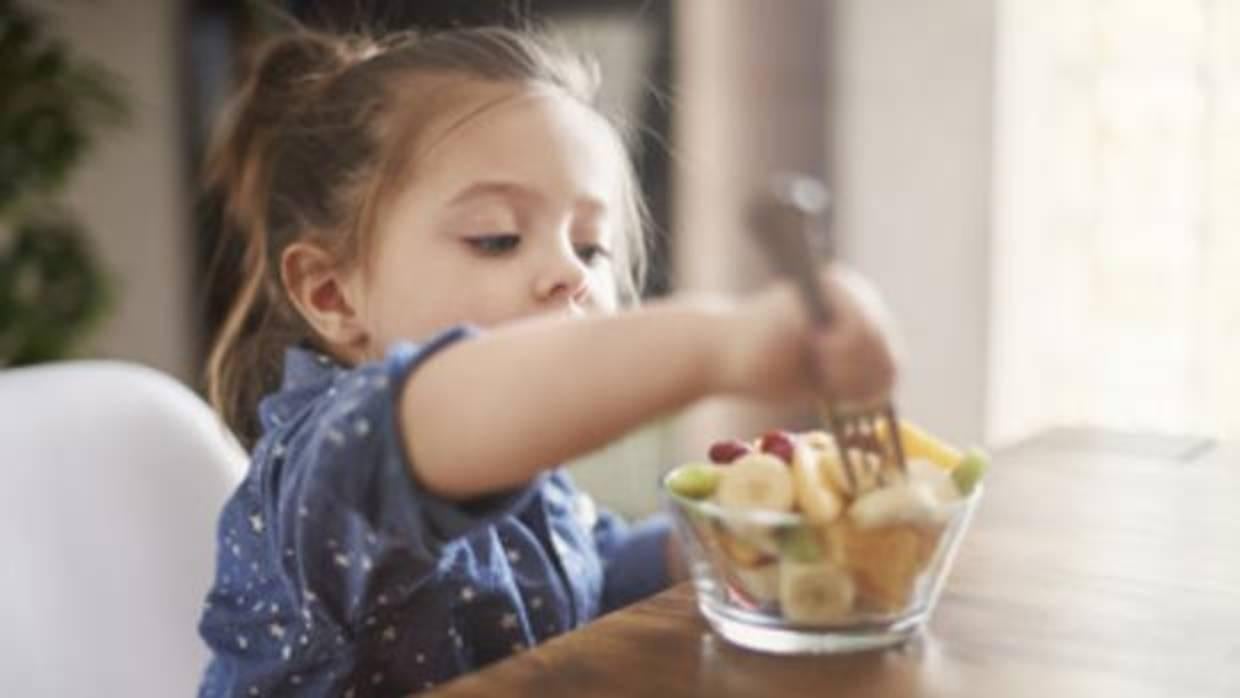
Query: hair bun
pixel 293 65
pixel 288 72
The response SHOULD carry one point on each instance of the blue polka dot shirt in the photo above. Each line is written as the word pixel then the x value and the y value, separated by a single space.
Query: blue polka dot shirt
pixel 339 575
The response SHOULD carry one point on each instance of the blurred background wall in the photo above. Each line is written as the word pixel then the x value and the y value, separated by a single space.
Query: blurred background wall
pixel 893 103
pixel 911 123
pixel 987 159
pixel 132 192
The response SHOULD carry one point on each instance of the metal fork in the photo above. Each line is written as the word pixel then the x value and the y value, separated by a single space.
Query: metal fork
pixel 788 222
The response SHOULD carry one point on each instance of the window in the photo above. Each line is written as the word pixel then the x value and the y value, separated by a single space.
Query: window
pixel 1117 225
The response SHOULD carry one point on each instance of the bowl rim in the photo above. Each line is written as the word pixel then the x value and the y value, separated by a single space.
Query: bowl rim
pixel 765 517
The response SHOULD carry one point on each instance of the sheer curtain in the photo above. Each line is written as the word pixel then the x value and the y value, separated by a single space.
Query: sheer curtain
pixel 1117 222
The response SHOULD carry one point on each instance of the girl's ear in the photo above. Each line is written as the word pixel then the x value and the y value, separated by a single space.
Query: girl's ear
pixel 324 294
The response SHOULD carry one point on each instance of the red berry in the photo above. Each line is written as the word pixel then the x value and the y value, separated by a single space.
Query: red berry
pixel 724 452
pixel 778 444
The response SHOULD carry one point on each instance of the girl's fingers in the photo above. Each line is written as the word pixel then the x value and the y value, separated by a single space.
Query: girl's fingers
pixel 856 353
pixel 858 365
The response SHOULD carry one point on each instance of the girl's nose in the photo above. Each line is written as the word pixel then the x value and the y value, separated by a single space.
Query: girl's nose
pixel 561 277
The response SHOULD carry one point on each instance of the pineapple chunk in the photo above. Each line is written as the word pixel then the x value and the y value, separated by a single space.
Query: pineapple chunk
pixel 918 443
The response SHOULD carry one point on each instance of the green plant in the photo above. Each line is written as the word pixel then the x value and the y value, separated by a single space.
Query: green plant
pixel 52 105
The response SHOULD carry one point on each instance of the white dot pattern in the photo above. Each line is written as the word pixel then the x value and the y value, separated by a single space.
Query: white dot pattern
pixel 334 551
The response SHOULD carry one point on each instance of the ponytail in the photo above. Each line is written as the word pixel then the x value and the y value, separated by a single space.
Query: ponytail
pixel 245 357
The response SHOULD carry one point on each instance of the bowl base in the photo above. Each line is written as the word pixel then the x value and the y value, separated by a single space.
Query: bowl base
pixel 779 639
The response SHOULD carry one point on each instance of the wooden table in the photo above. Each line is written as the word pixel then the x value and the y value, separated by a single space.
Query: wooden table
pixel 1097 565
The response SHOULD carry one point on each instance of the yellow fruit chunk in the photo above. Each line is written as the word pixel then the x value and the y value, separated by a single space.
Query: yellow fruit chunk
pixel 919 443
pixel 831 468
pixel 744 552
pixel 928 543
pixel 817 500
pixel 885 562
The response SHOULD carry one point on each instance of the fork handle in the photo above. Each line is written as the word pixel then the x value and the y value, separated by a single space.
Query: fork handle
pixel 783 222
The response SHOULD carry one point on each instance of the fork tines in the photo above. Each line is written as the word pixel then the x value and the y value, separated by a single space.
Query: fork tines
pixel 860 445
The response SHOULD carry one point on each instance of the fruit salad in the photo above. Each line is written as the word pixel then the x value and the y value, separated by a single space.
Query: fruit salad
pixel 780 528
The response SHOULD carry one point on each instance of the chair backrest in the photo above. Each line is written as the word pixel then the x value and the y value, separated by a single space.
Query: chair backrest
pixel 111 480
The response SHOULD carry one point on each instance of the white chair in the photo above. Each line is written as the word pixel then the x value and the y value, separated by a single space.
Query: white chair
pixel 111 480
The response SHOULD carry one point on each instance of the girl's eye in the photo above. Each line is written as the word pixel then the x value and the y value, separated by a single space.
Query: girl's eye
pixel 592 252
pixel 494 245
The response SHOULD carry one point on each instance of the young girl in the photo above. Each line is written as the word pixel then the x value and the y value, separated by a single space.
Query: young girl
pixel 441 230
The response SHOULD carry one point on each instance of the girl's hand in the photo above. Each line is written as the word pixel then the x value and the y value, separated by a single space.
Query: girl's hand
pixel 773 352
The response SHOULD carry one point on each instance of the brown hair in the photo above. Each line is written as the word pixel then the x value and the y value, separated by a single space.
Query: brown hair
pixel 306 152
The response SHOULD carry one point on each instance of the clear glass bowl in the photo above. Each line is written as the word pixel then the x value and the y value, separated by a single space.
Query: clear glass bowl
pixel 773 582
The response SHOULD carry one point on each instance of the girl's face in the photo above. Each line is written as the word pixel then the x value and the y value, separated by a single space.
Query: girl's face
pixel 510 213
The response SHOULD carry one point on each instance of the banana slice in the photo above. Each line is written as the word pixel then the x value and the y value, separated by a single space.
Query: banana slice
pixel 935 478
pixel 817 499
pixel 825 450
pixel 815 592
pixel 899 503
pixel 833 466
pixel 756 481
pixel 819 440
